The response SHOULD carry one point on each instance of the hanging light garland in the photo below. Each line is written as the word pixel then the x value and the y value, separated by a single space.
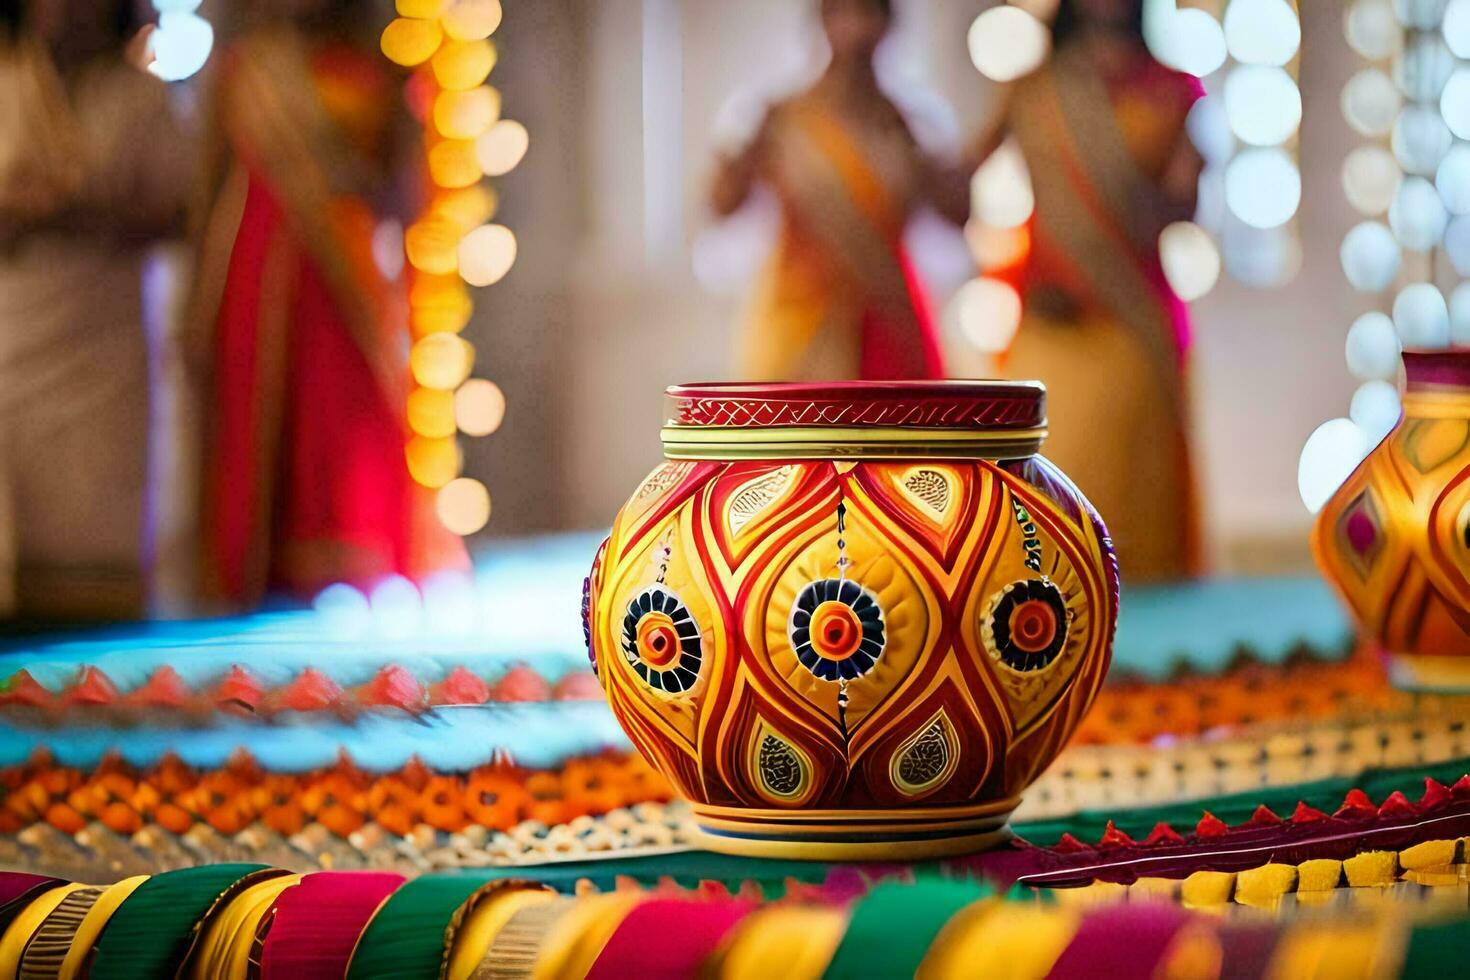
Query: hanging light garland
pixel 1410 182
pixel 453 244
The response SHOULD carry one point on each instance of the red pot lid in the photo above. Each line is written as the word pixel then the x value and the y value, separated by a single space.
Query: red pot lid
pixel 1002 405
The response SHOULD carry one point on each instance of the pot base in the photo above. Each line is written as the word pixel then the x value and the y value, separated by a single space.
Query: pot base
pixel 854 835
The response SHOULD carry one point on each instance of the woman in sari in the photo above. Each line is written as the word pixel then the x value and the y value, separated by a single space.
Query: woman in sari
pixel 1102 129
pixel 93 173
pixel 305 480
pixel 838 297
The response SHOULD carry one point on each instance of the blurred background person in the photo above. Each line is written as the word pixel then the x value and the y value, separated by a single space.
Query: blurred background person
pixel 305 482
pixel 1101 126
pixel 839 297
pixel 93 171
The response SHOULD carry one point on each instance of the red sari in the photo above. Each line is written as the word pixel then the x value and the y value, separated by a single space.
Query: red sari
pixel 305 480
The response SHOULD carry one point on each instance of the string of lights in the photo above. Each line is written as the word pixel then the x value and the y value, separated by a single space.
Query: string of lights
pixel 453 244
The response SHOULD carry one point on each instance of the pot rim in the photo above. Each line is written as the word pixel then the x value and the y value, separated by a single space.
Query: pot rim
pixel 958 419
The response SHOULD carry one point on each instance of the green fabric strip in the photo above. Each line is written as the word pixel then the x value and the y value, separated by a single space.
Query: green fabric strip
pixel 1236 808
pixel 894 925
pixel 1438 950
pixel 406 936
pixel 151 932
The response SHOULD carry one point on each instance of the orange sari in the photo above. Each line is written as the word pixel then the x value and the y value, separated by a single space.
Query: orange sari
pixel 1102 327
pixel 838 298
pixel 305 480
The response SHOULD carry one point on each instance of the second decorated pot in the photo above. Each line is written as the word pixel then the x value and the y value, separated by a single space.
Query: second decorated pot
pixel 853 620
pixel 1395 538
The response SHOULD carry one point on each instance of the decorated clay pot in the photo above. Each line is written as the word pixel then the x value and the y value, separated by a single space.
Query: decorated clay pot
pixel 853 620
pixel 1395 538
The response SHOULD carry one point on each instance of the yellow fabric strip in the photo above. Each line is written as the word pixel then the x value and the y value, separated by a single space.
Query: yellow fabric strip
pixel 229 935
pixel 793 942
pixel 573 944
pixel 484 922
pixel 91 928
pixel 998 939
pixel 13 943
pixel 1339 951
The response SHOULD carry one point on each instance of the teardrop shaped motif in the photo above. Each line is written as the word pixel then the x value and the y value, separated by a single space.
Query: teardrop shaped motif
pixel 930 488
pixel 755 496
pixel 782 772
pixel 925 760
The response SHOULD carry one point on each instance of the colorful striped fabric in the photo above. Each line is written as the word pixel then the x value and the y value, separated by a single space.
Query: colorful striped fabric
pixel 466 926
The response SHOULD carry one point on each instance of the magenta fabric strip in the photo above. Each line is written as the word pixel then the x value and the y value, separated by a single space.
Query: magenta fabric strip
pixel 1120 941
pixel 18 889
pixel 315 925
pixel 667 939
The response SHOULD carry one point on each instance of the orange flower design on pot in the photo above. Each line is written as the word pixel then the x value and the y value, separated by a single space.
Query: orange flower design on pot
pixel 1395 538
pixel 853 620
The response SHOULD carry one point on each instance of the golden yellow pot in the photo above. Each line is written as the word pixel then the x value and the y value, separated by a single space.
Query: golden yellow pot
pixel 853 620
pixel 1395 538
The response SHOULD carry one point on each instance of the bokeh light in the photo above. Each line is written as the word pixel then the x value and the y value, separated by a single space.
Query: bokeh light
pixel 1457 245
pixel 432 245
pixel 1372 348
pixel 1456 27
pixel 1263 187
pixel 471 20
pixel 1329 457
pixel 180 44
pixel 431 412
pixel 1372 29
pixel 1421 317
pixel 462 65
pixel 1209 129
pixel 1262 32
pixel 409 42
pixel 1188 39
pixel 1370 179
pixel 502 147
pixel 1422 68
pixel 1417 215
pixel 432 462
pixel 463 505
pixel 397 610
pixel 1421 139
pixel 438 304
pixel 486 254
pixel 452 163
pixel 1000 191
pixel 1423 15
pixel 440 360
pixel 1460 315
pixel 1370 102
pixel 1452 179
pixel 1007 43
pixel 479 407
pixel 1370 257
pixel 1190 259
pixel 1454 103
pixel 1375 409
pixel 466 115
pixel 1263 105
pixel 987 312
